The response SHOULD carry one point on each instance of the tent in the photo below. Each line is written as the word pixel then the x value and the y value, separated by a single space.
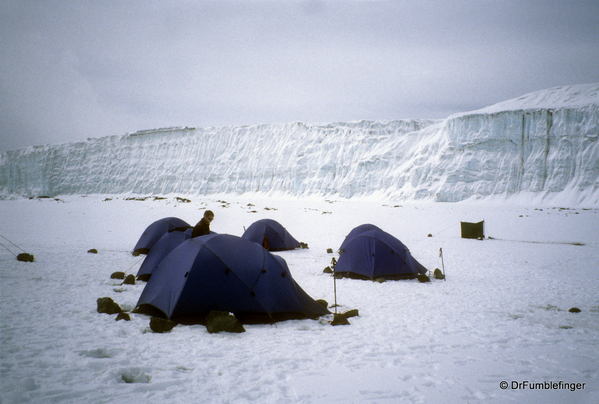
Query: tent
pixel 271 235
pixel 225 273
pixel 167 243
pixel 355 231
pixel 372 254
pixel 154 231
pixel 473 230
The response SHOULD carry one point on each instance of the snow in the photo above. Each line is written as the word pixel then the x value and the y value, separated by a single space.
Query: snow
pixel 545 144
pixel 529 167
pixel 501 315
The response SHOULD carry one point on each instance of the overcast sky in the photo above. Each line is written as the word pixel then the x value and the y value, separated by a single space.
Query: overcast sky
pixel 70 70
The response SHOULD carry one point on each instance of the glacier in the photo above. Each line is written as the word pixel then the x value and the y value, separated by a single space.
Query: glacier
pixel 543 145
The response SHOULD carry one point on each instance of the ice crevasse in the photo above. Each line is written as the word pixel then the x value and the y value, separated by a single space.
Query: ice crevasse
pixel 544 144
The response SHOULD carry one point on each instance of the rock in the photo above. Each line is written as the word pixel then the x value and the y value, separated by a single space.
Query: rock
pixel 323 303
pixel 574 310
pixel 423 278
pixel 117 275
pixel 92 251
pixel 129 280
pixel 329 250
pixel 327 270
pixel 24 257
pixel 304 245
pixel 339 319
pixel 161 325
pixel 123 316
pixel 380 280
pixel 217 321
pixel 351 313
pixel 438 274
pixel 430 235
pixel 108 306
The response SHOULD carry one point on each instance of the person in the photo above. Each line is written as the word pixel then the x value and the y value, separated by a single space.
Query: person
pixel 203 226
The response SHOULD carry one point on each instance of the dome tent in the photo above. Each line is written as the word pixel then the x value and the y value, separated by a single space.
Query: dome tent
pixel 271 235
pixel 225 273
pixel 167 243
pixel 372 253
pixel 355 231
pixel 154 231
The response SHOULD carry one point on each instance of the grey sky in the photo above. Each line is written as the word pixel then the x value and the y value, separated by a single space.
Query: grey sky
pixel 70 70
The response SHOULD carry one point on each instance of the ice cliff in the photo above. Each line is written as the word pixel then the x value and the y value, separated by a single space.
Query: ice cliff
pixel 543 145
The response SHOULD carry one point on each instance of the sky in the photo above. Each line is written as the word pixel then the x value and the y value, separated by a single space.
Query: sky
pixel 73 70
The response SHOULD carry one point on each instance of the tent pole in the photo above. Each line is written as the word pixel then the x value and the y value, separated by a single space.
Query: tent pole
pixel 334 262
pixel 442 263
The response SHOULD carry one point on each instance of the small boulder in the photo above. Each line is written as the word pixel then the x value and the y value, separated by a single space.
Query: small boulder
pixel 123 316
pixel 117 275
pixel 339 319
pixel 351 313
pixel 574 310
pixel 423 278
pixel 24 257
pixel 92 251
pixel 161 325
pixel 329 250
pixel 129 280
pixel 438 274
pixel 217 321
pixel 108 306
pixel 327 270
pixel 380 280
pixel 323 303
pixel 430 235
pixel 304 245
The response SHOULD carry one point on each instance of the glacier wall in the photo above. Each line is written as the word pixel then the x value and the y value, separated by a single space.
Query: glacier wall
pixel 549 153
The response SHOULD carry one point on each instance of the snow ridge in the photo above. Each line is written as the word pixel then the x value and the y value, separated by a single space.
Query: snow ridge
pixel 544 144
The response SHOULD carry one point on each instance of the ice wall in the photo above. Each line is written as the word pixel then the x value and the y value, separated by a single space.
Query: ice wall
pixel 544 144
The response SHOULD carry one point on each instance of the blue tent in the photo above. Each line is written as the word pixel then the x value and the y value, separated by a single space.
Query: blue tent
pixel 371 254
pixel 271 235
pixel 226 273
pixel 167 243
pixel 355 231
pixel 154 231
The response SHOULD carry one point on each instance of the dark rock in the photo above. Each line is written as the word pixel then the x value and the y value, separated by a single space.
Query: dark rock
pixel 129 280
pixel 351 313
pixel 25 257
pixel 329 250
pixel 574 310
pixel 423 278
pixel 339 319
pixel 123 316
pixel 438 274
pixel 430 235
pixel 322 302
pixel 92 251
pixel 217 321
pixel 117 275
pixel 304 245
pixel 108 306
pixel 380 280
pixel 327 270
pixel 160 325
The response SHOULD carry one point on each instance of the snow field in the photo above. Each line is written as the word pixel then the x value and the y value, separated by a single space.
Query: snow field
pixel 501 315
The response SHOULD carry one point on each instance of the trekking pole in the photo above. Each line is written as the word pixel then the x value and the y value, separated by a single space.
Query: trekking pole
pixel 442 264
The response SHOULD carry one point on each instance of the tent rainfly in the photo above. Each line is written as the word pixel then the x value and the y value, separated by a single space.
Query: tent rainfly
pixel 154 231
pixel 225 273
pixel 271 235
pixel 370 253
